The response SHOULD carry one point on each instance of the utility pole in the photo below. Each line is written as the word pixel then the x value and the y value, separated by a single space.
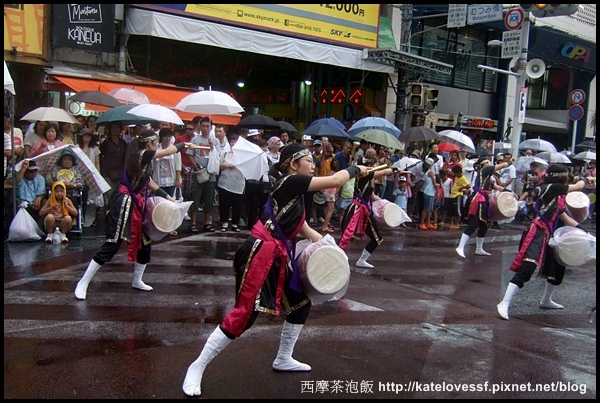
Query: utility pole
pixel 518 115
pixel 407 13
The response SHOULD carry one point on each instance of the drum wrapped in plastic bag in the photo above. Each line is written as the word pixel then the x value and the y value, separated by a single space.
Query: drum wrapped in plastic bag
pixel 324 269
pixel 163 216
pixel 573 246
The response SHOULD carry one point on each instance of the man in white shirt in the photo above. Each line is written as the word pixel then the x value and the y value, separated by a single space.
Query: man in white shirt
pixel 508 174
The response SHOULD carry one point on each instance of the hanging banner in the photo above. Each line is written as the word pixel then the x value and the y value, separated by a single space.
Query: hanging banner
pixel 84 26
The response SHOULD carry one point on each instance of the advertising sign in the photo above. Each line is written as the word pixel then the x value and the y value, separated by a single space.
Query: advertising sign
pixel 84 26
pixel 351 25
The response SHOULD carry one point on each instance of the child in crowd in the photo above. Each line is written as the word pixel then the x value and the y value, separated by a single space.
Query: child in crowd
pixel 59 211
pixel 461 186
pixel 446 190
pixel 402 194
pixel 329 195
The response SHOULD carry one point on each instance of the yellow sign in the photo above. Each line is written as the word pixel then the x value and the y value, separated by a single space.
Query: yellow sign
pixel 24 28
pixel 352 25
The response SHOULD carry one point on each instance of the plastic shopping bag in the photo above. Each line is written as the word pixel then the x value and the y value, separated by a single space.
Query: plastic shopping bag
pixel 23 227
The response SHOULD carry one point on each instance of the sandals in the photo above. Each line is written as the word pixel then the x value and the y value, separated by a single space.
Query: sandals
pixel 235 228
pixel 208 228
pixel 328 229
pixel 194 228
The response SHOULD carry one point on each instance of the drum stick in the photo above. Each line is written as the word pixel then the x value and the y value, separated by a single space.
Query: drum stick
pixel 377 168
pixel 196 147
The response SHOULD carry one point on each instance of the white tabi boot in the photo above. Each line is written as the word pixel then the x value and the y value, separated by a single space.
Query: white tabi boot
pixel 461 246
pixel 362 262
pixel 82 285
pixel 214 345
pixel 284 360
pixel 546 301
pixel 138 272
pixel 503 306
pixel 479 251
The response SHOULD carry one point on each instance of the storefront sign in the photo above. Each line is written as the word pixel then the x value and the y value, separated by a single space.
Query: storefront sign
pixel 84 26
pixel 482 123
pixel 352 25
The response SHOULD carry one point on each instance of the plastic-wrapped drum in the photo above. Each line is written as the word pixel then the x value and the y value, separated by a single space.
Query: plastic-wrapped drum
pixel 573 246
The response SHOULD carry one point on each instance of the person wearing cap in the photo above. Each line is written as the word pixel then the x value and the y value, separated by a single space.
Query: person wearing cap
pixel 478 204
pixel 264 280
pixel 402 194
pixel 124 215
pixel 31 188
pixel 534 246
pixel 318 144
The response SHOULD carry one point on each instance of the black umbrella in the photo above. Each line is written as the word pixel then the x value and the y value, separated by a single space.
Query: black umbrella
pixel 96 98
pixel 418 133
pixel 286 126
pixel 587 145
pixel 259 122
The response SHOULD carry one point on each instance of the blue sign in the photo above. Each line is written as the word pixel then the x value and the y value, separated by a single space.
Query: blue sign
pixel 575 112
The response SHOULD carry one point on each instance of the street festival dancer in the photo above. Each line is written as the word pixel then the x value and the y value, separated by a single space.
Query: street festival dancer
pixel 534 250
pixel 357 221
pixel 264 283
pixel 125 210
pixel 478 204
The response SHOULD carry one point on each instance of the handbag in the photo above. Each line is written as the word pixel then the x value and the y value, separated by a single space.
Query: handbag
pixel 202 175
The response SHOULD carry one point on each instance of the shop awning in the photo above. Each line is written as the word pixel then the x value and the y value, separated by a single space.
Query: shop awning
pixel 164 96
pixel 158 95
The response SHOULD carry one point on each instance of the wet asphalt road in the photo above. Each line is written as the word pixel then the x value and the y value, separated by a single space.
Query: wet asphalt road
pixel 422 324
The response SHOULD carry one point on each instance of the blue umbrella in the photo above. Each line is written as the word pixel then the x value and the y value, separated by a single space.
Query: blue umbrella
pixel 328 127
pixel 374 122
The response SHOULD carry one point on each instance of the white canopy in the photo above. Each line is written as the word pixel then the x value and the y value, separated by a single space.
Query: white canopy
pixel 9 85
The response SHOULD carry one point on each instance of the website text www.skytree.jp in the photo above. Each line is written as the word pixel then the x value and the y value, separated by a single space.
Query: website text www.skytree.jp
pixel 353 387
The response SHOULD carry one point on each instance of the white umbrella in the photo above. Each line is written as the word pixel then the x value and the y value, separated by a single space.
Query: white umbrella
pixel 457 138
pixel 156 112
pixel 209 103
pixel 9 84
pixel 129 96
pixel 49 114
pixel 248 158
pixel 554 157
pixel 585 156
pixel 537 145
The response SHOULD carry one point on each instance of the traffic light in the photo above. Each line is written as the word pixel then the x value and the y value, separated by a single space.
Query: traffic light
pixel 416 95
pixel 550 10
pixel 431 98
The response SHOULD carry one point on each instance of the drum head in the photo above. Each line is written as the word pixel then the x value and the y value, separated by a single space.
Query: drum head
pixel 327 270
pixel 507 204
pixel 165 216
pixel 577 200
pixel 392 215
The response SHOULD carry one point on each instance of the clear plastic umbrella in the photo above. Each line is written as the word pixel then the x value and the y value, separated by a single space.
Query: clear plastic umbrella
pixel 585 156
pixel 554 157
pixel 457 138
pixel 129 96
pixel 537 145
